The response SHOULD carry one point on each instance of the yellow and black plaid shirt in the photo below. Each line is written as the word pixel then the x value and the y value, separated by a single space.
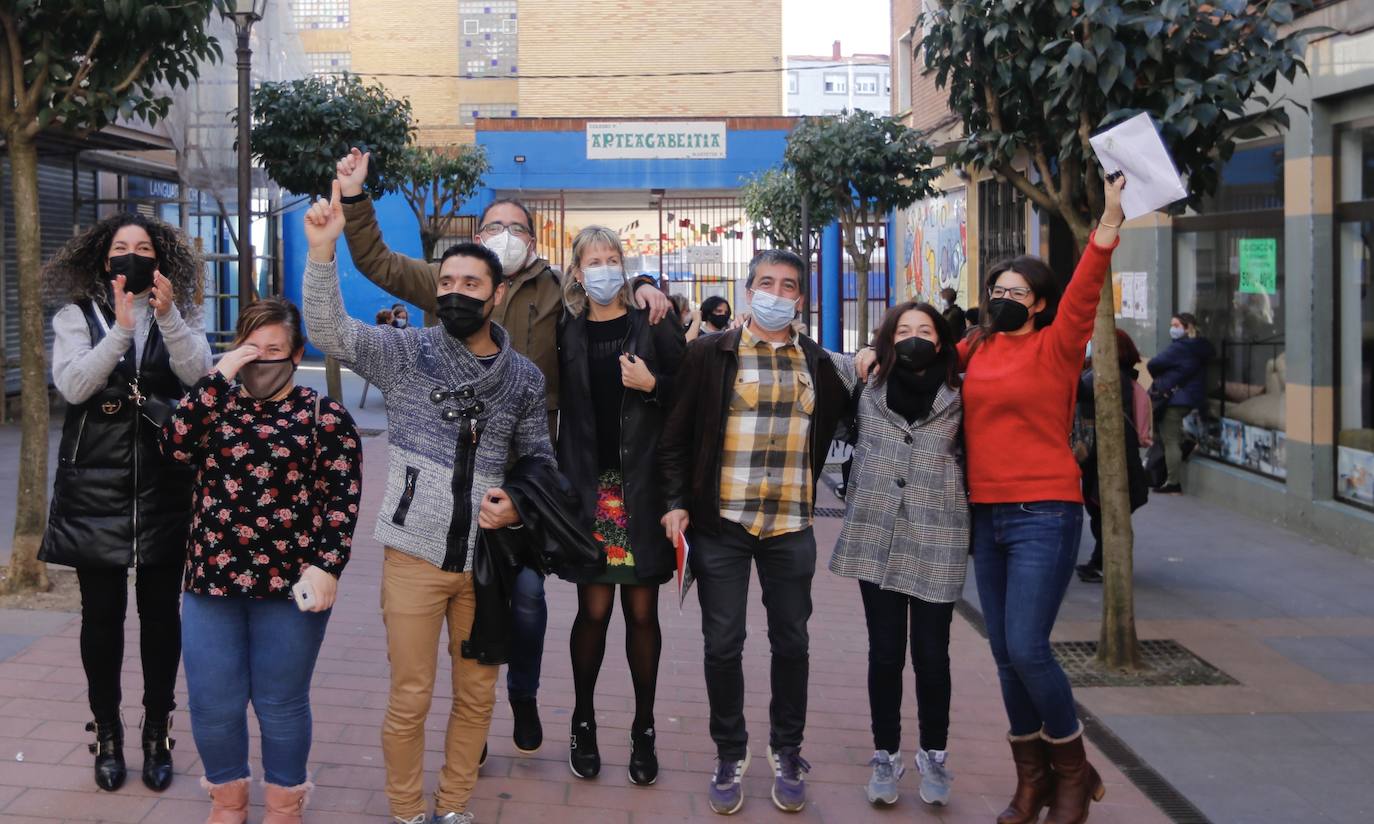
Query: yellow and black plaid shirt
pixel 765 468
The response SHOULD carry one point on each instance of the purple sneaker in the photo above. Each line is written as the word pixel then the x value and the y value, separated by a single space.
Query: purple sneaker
pixel 789 788
pixel 727 792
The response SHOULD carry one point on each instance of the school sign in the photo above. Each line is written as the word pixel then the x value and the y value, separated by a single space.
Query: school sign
pixel 648 140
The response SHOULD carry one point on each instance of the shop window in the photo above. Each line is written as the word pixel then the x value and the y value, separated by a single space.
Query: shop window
pixel 1229 266
pixel 1355 316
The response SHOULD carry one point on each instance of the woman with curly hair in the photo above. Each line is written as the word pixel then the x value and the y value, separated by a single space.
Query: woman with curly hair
pixel 129 340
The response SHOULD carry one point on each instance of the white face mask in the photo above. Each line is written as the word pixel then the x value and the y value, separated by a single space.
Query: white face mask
pixel 603 283
pixel 1177 332
pixel 510 249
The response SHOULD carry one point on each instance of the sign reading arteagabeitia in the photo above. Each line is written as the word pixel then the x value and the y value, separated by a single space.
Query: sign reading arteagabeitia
pixel 645 140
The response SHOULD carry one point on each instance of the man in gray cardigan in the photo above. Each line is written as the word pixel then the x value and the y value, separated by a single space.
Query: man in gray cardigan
pixel 460 402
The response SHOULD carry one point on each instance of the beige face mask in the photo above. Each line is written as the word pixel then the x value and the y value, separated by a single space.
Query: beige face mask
pixel 265 378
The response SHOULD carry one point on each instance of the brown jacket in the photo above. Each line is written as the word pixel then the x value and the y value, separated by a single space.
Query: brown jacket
pixel 530 312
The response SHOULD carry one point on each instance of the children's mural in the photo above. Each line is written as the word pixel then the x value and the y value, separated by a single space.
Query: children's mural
pixel 935 248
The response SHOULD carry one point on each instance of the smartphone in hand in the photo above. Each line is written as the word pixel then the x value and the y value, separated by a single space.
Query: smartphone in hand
pixel 304 594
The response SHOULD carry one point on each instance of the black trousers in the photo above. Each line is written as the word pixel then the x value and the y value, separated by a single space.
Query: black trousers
pixel 786 565
pixel 890 616
pixel 1095 526
pixel 104 602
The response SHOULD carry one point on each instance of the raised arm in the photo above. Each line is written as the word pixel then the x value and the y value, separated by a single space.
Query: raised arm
pixel 405 277
pixel 1073 324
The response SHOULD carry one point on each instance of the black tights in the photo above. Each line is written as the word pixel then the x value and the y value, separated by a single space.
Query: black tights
pixel 643 645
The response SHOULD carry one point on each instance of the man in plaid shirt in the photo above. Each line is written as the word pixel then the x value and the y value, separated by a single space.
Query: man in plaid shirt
pixel 740 455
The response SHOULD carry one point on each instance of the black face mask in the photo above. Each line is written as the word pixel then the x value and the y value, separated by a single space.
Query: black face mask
pixel 915 354
pixel 136 269
pixel 720 321
pixel 461 315
pixel 1007 315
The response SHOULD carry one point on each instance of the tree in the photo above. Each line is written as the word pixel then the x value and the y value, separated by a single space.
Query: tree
pixel 772 202
pixel 74 67
pixel 864 165
pixel 1033 79
pixel 435 182
pixel 302 127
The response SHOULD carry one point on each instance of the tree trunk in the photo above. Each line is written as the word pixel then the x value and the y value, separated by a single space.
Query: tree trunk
pixel 26 572
pixel 1117 646
pixel 861 296
pixel 333 379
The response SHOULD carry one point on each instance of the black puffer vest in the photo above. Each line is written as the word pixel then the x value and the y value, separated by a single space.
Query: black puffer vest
pixel 117 501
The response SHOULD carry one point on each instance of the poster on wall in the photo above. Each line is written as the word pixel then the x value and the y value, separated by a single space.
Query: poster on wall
pixel 935 249
pixel 1131 290
pixel 1355 475
pixel 1232 441
pixel 1258 265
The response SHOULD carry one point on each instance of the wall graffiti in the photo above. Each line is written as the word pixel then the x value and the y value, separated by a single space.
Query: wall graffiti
pixel 935 248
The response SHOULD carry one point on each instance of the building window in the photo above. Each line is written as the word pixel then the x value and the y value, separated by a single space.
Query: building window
pixel 865 84
pixel 836 84
pixel 1355 315
pixel 791 82
pixel 321 14
pixel 468 113
pixel 1230 276
pixel 326 64
pixel 490 42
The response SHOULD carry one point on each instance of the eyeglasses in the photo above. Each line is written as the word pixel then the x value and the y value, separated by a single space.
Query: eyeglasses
pixel 1013 292
pixel 496 227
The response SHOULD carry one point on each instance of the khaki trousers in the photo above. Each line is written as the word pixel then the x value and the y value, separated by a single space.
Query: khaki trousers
pixel 417 598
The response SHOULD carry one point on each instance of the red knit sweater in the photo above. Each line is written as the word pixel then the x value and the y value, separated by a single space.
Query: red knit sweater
pixel 1019 394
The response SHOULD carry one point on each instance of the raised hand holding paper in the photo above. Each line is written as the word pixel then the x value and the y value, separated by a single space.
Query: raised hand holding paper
pixel 1134 147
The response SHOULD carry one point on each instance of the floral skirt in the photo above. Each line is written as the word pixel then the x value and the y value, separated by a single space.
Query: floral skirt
pixel 611 531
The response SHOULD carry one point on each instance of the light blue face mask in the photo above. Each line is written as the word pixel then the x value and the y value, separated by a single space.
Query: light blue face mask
pixel 1177 332
pixel 771 312
pixel 603 283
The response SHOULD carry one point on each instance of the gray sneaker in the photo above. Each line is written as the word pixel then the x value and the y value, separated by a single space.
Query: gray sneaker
pixel 422 818
pixel 882 785
pixel 454 818
pixel 935 777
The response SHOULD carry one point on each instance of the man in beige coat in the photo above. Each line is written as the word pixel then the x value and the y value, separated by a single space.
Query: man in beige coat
pixel 529 314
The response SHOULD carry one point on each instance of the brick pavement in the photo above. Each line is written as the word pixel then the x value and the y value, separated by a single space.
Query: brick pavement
pixel 43 711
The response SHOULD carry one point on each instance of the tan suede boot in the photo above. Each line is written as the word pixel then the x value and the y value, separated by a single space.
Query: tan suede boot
pixel 286 805
pixel 1034 781
pixel 228 801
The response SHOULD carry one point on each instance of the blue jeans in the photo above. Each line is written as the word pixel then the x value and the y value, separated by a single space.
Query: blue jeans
pixel 1023 558
pixel 529 620
pixel 238 650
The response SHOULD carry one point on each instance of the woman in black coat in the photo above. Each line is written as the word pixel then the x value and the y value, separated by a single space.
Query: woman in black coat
pixel 616 380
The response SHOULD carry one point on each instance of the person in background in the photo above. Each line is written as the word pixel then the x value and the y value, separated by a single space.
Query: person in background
pixel 617 372
pixel 741 455
pixel 127 341
pixel 384 317
pixel 715 315
pixel 462 405
pixel 279 477
pixel 400 316
pixel 971 320
pixel 691 320
pixel 1135 404
pixel 529 312
pixel 1180 386
pixel 954 315
pixel 906 537
pixel 1022 369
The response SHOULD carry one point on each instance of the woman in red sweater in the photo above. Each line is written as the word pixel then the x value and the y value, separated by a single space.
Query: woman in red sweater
pixel 1021 381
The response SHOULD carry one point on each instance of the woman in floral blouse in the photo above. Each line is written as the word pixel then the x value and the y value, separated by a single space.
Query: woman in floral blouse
pixel 276 504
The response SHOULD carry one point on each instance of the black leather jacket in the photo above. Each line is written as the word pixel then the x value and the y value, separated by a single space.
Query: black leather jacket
pixel 642 416
pixel 117 502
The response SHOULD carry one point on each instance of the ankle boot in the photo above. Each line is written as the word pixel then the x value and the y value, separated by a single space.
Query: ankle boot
pixel 228 801
pixel 1034 781
pixel 108 750
pixel 157 752
pixel 286 805
pixel 1076 783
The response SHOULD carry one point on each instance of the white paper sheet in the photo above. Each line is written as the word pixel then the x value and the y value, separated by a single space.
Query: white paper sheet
pixel 1134 147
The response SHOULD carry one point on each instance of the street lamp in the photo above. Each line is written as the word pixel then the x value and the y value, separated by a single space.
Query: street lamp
pixel 245 13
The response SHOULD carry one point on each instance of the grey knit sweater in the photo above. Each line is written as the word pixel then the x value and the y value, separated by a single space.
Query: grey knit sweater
pixel 406 365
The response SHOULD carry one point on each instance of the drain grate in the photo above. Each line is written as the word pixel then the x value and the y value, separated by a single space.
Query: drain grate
pixel 1164 663
pixel 369 433
pixel 1154 786
pixel 828 512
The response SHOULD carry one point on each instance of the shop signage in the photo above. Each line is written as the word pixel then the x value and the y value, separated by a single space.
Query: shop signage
pixel 1259 265
pixel 668 139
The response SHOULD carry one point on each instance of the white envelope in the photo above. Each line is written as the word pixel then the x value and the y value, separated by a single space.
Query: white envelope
pixel 1134 147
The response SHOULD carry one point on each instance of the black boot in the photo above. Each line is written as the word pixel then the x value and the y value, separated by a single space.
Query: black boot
pixel 528 733
pixel 643 759
pixel 157 752
pixel 583 756
pixel 108 750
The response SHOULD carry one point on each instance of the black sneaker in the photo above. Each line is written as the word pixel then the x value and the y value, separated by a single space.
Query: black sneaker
pixel 1169 489
pixel 1089 574
pixel 583 756
pixel 643 759
pixel 529 733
